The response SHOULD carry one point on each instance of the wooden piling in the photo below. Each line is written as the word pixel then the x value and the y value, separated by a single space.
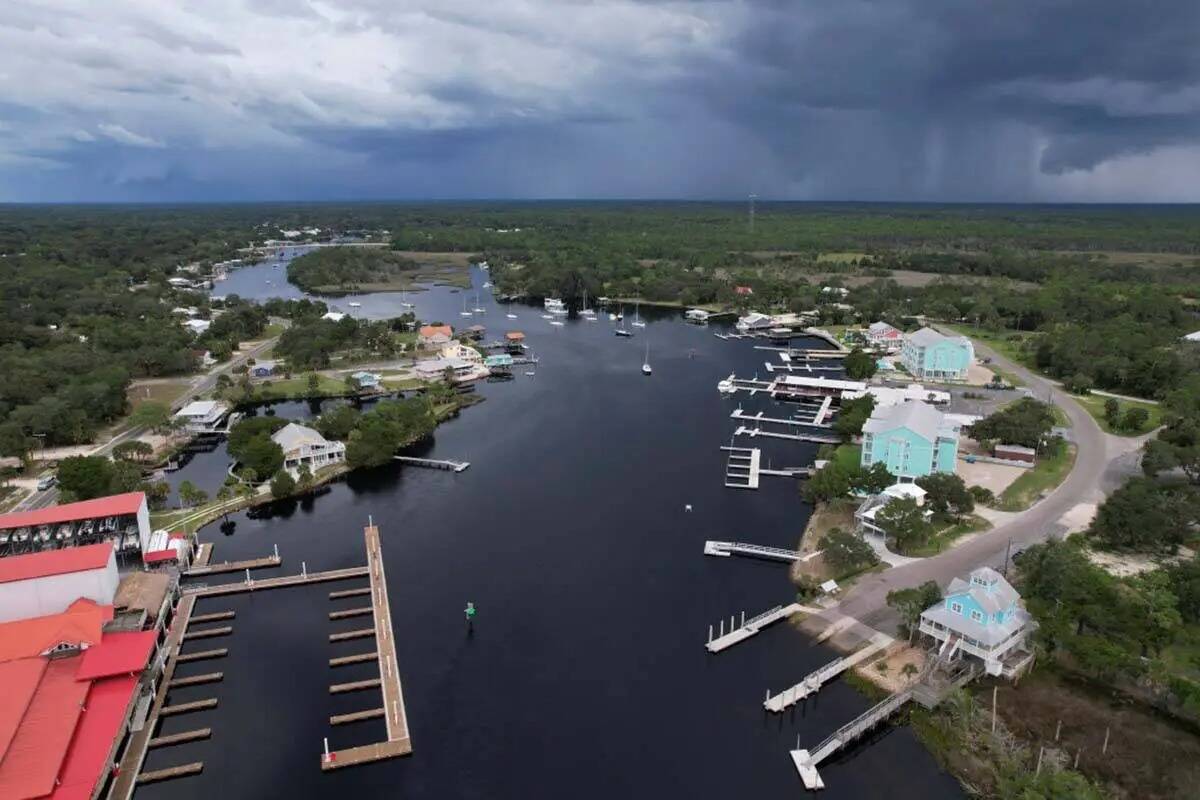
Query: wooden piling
pixel 354 686
pixel 216 616
pixel 207 634
pixel 171 772
pixel 180 738
pixel 361 633
pixel 196 680
pixel 350 593
pixel 183 708
pixel 359 658
pixel 352 612
pixel 342 719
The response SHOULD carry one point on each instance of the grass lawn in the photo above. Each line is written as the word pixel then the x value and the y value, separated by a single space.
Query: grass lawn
pixel 1060 417
pixel 944 538
pixel 272 330
pixel 161 391
pixel 297 387
pixel 1094 404
pixel 848 455
pixel 1028 488
pixel 1182 656
pixel 840 258
pixel 1005 342
pixel 403 384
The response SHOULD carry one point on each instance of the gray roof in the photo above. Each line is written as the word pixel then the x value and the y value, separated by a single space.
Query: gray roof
pixel 989 635
pixel 919 417
pixel 925 337
pixel 292 436
pixel 997 594
pixel 881 327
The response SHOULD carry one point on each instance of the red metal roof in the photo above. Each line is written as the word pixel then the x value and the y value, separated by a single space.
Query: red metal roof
pixel 36 753
pixel 160 556
pixel 80 623
pixel 117 654
pixel 20 680
pixel 54 562
pixel 127 503
pixel 106 709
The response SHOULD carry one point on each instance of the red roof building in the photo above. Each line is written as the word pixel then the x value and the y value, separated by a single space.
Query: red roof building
pixel 127 504
pixel 43 584
pixel 54 562
pixel 743 290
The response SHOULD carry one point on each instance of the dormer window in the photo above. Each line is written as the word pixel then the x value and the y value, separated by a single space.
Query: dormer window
pixel 956 608
pixel 976 616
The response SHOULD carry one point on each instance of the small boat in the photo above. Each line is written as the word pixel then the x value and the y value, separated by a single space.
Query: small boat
pixel 4 537
pixel 646 363
pixel 478 309
pixel 404 300
pixel 612 317
pixel 547 316
pixel 511 316
pixel 531 373
pixel 623 332
pixel 487 285
pixel 556 323
pixel 355 305
pixel 464 312
pixel 637 320
pixel 585 312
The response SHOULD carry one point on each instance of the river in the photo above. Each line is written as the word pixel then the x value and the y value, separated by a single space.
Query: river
pixel 586 675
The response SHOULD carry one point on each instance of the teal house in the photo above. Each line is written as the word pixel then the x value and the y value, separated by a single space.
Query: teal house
pixel 911 439
pixel 982 617
pixel 928 355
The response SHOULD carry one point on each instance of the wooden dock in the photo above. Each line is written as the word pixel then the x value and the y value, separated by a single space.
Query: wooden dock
pixel 135 753
pixel 182 770
pixel 398 741
pixel 806 761
pixel 359 658
pixel 821 438
pixel 275 583
pixel 726 549
pixel 197 680
pixel 233 566
pixel 813 682
pixel 203 555
pixel 356 716
pixel 354 686
pixel 218 616
pixel 187 708
pixel 220 652
pixel 350 593
pixel 361 633
pixel 434 463
pixel 180 738
pixel 741 415
pixel 749 627
pixel 208 633
pixel 351 612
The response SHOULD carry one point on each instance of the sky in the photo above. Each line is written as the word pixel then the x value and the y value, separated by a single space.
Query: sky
pixel 921 100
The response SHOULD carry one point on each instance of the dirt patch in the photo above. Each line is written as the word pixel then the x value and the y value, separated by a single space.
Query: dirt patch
pixel 1149 757
pixel 825 517
pixel 894 678
pixel 979 375
pixel 996 477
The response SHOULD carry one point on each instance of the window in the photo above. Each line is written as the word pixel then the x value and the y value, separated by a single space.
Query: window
pixel 976 616
pixel 956 608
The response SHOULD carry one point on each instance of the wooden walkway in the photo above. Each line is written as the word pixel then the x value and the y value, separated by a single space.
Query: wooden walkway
pixel 193 768
pixel 433 463
pixel 726 549
pixel 275 583
pixel 398 741
pixel 233 566
pixel 135 753
pixel 813 682
pixel 806 761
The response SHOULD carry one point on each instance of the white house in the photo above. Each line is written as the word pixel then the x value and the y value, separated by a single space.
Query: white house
pixel 197 326
pixel 982 617
pixel 754 321
pixel 304 446
pixel 865 515
pixel 202 416
pixel 884 336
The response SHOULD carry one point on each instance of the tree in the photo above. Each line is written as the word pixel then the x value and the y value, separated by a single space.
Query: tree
pixel 133 450
pixel 874 479
pixel 829 482
pixel 1112 410
pixel 909 670
pixel 152 414
pixel 314 383
pixel 338 422
pixel 852 415
pixel 262 455
pixel 305 481
pixel 1024 423
pixel 85 477
pixel 124 477
pixel 846 553
pixel 224 495
pixel 1134 419
pixel 859 365
pixel 904 521
pixel 157 493
pixel 1185 584
pixel 190 494
pixel 1144 516
pixel 1080 383
pixel 946 493
pixel 911 602
pixel 352 385
pixel 282 485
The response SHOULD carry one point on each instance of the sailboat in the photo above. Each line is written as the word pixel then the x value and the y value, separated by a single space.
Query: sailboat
pixel 637 320
pixel 478 309
pixel 464 312
pixel 585 312
pixel 404 300
pixel 646 363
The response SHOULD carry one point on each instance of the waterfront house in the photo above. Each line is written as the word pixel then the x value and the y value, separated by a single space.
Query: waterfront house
pixel 885 337
pixel 929 355
pixel 911 439
pixel 197 326
pixel 202 416
pixel 434 335
pixel 476 332
pixel 696 315
pixel 462 353
pixel 367 380
pixel 303 446
pixel 982 617
pixel 333 316
pixel 864 517
pixel 263 369
pixel 462 370
pixel 754 322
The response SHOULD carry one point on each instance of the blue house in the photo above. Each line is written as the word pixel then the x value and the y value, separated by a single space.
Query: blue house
pixel 912 439
pixel 367 380
pixel 929 355
pixel 263 369
pixel 982 617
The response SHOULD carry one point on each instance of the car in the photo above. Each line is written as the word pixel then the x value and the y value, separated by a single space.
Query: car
pixel 46 482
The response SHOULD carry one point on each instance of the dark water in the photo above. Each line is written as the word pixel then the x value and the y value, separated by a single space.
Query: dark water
pixel 586 676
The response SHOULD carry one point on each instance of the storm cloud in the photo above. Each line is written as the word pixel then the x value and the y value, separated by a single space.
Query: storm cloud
pixel 1020 100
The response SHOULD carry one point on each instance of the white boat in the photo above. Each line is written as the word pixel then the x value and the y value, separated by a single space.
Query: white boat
pixel 554 305
pixel 511 316
pixel 478 309
pixel 612 317
pixel 404 300
pixel 585 312
pixel 556 322
pixel 531 373
pixel 646 363
pixel 637 320
pixel 623 332
pixel 487 285
pixel 464 312
pixel 354 305
pixel 547 316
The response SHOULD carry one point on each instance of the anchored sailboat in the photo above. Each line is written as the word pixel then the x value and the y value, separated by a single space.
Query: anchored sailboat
pixel 646 363
pixel 637 320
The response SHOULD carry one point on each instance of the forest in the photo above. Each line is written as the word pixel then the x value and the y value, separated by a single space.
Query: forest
pixel 345 269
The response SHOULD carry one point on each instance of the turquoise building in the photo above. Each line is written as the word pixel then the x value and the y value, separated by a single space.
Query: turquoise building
pixel 911 439
pixel 982 617
pixel 930 356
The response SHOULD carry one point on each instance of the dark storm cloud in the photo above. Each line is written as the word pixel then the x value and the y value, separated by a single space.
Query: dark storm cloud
pixel 855 99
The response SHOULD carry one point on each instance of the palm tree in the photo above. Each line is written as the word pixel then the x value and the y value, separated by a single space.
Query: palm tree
pixel 909 670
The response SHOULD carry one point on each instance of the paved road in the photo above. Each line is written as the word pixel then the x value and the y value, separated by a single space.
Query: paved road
pixel 1096 471
pixel 200 385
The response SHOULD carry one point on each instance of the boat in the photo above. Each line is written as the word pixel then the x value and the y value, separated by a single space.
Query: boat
pixel 22 535
pixel 623 332
pixel 478 309
pixel 637 320
pixel 511 316
pixel 464 312
pixel 354 305
pixel 531 373
pixel 646 363
pixel 547 316
pixel 585 312
pixel 487 285
pixel 556 322
pixel 4 537
pixel 404 300
pixel 612 317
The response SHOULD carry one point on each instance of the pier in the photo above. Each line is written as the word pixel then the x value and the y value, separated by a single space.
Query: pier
pixel 726 549
pixel 823 438
pixel 806 761
pixel 180 738
pixel 741 468
pixel 813 682
pixel 803 366
pixel 171 772
pixel 819 413
pixel 434 463
pixel 250 585
pixel 220 652
pixel 750 627
pixel 794 351
pixel 234 566
pixel 398 742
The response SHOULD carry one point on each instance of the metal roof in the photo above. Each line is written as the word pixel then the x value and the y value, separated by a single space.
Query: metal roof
pixel 920 418
pixel 54 562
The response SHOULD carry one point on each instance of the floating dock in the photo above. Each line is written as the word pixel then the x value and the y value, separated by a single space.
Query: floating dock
pixel 398 742
pixel 741 468
pixel 726 549
pixel 819 413
pixel 275 583
pixel 813 682
pixel 233 566
pixel 806 761
pixel 433 463
pixel 823 438
pixel 750 627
